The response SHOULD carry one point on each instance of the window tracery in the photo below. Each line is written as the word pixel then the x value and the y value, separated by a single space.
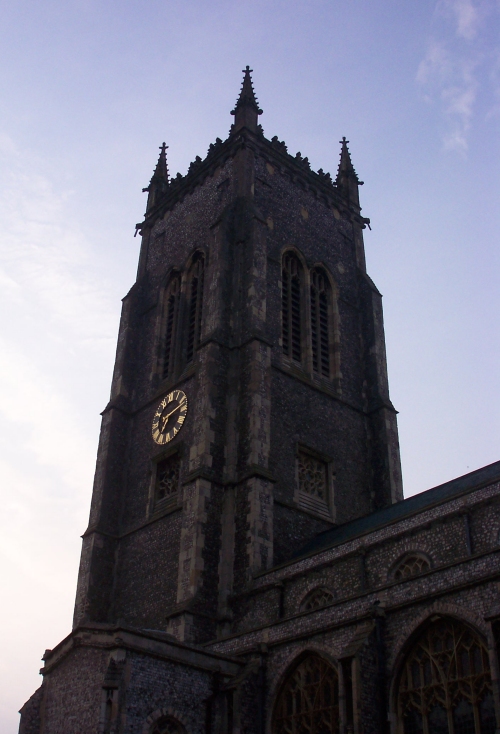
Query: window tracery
pixel 291 307
pixel 411 565
pixel 314 493
pixel 167 477
pixel 445 686
pixel 195 307
pixel 171 318
pixel 309 700
pixel 313 476
pixel 316 599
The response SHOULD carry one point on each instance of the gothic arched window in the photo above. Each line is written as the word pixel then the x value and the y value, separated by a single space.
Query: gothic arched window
pixel 291 307
pixel 316 599
pixel 411 565
pixel 167 725
pixel 171 318
pixel 309 699
pixel 321 327
pixel 445 685
pixel 195 304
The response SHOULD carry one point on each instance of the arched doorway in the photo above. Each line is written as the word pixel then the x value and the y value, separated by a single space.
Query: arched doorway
pixel 308 702
pixel 167 725
pixel 445 683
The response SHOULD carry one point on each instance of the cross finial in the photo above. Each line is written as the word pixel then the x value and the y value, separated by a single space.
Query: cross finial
pixel 161 170
pixel 347 180
pixel 247 96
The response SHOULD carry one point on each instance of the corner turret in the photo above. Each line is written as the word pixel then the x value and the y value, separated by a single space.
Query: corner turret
pixel 247 109
pixel 159 180
pixel 347 179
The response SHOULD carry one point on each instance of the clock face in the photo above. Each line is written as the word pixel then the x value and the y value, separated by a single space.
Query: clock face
pixel 169 417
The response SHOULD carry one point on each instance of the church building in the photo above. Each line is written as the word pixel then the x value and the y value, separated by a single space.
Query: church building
pixel 250 565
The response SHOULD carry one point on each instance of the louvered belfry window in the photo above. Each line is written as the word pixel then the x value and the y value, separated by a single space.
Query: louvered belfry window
pixel 320 326
pixel 445 685
pixel 309 700
pixel 195 295
pixel 172 308
pixel 291 306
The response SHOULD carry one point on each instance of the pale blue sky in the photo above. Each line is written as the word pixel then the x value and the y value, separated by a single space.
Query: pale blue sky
pixel 89 90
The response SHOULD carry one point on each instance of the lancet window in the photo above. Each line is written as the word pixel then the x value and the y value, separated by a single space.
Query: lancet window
pixel 320 322
pixel 445 685
pixel 307 317
pixel 195 305
pixel 291 307
pixel 171 319
pixel 411 565
pixel 309 699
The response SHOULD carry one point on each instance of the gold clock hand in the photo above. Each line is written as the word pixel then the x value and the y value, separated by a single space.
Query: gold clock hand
pixel 165 420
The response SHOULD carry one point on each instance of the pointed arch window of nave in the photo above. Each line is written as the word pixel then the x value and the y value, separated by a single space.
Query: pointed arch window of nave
pixel 308 702
pixel 445 685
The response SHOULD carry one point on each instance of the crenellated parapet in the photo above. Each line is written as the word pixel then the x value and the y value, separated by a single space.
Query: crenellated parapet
pixel 340 193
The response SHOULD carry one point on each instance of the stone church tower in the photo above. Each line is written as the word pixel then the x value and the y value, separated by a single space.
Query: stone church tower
pixel 249 419
pixel 252 299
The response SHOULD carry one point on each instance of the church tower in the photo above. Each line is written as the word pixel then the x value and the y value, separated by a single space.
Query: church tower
pixel 249 413
pixel 249 407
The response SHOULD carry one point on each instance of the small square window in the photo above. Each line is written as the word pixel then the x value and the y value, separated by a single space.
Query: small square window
pixel 313 476
pixel 167 478
pixel 314 490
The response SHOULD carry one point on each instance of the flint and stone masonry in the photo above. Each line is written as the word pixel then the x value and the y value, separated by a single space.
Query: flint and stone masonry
pixel 261 573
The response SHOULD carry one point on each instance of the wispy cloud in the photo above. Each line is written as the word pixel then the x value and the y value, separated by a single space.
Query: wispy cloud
pixel 46 263
pixel 449 73
pixel 436 65
pixel 466 15
pixel 58 330
pixel 55 315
